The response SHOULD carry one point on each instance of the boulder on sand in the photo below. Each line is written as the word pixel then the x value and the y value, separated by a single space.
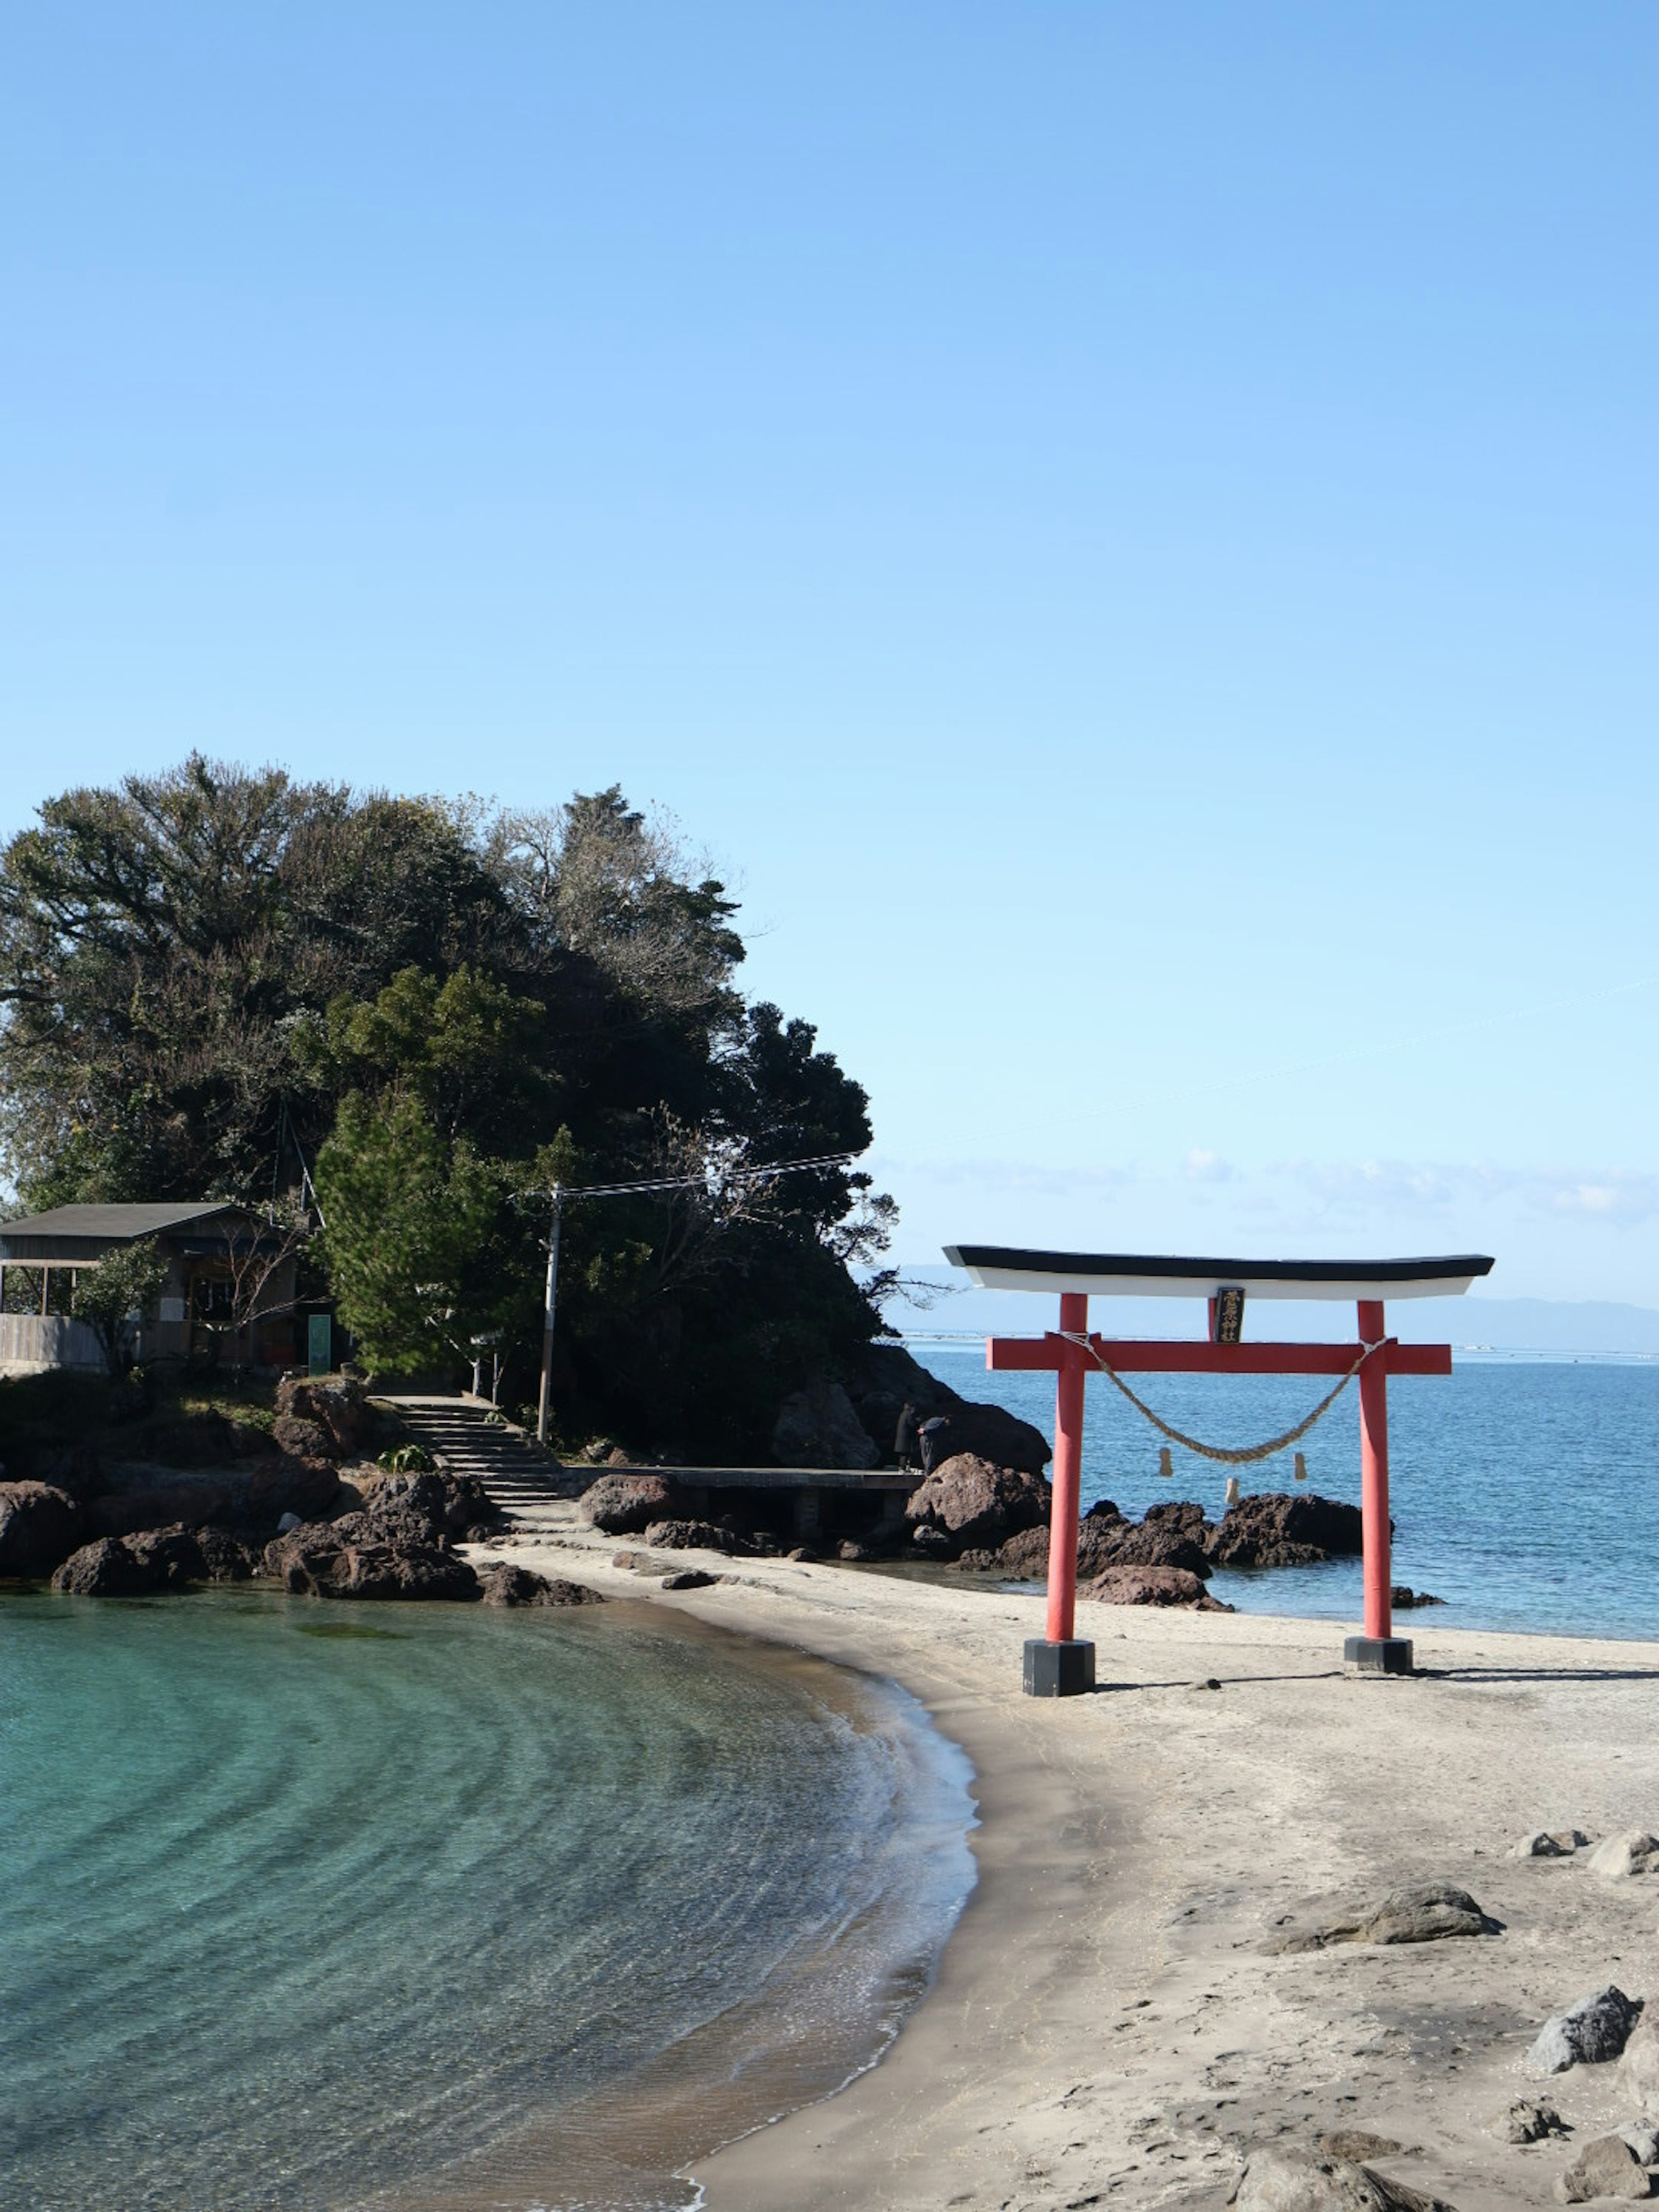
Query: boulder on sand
pixel 976 1503
pixel 39 1526
pixel 1634 1851
pixel 623 1504
pixel 696 1536
pixel 1151 1586
pixel 1278 2179
pixel 1605 2168
pixel 1587 2033
pixel 1419 1912
pixel 1273 1530
pixel 501 1583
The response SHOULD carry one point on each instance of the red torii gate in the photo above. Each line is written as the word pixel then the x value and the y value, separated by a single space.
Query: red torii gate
pixel 1061 1664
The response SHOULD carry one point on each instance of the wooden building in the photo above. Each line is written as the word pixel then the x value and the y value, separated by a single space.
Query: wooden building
pixel 218 1256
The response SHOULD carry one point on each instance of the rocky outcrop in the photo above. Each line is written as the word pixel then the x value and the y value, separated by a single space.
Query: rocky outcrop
pixel 351 1558
pixel 1145 1543
pixel 1544 1844
pixel 624 1505
pixel 501 1583
pixel 39 1526
pixel 882 1378
pixel 1152 1585
pixel 1587 2033
pixel 1420 1912
pixel 817 1427
pixel 1277 2178
pixel 1273 1530
pixel 976 1503
pixel 1404 1599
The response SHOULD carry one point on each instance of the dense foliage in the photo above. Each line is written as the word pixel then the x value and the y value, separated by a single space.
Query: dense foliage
pixel 213 982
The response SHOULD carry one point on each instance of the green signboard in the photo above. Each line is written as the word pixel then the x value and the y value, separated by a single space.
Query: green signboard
pixel 320 1344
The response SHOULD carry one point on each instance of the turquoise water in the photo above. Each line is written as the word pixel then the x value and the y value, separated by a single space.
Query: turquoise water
pixel 302 1903
pixel 1525 1491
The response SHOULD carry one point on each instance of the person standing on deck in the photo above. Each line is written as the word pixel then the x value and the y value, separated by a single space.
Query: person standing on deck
pixel 904 1439
pixel 933 1435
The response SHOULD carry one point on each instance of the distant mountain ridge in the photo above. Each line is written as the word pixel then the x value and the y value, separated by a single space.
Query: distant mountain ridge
pixel 1591 1325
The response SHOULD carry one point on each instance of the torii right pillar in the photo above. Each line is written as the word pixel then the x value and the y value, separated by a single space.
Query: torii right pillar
pixel 1379 1651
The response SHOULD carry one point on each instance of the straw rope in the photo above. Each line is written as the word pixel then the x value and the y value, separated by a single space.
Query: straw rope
pixel 1227 1458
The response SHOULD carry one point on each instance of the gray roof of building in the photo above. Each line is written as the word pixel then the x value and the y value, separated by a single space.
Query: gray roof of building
pixel 115 1223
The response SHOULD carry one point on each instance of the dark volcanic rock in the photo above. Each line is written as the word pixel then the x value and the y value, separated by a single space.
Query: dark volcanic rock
pixel 172 1557
pixel 301 1439
pixel 991 1433
pixel 224 1559
pixel 425 1509
pixel 121 1512
pixel 350 1558
pixel 132 1566
pixel 624 1505
pixel 817 1427
pixel 1273 1530
pixel 39 1526
pixel 689 1578
pixel 103 1569
pixel 696 1536
pixel 882 1379
pixel 1151 1585
pixel 976 1503
pixel 305 1487
pixel 503 1584
pixel 334 1407
pixel 1145 1543
pixel 1404 1599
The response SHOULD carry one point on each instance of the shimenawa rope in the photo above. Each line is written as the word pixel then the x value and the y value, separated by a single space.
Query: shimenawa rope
pixel 1254 1452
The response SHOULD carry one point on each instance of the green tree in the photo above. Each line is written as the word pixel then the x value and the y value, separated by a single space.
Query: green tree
pixel 120 1291
pixel 411 1216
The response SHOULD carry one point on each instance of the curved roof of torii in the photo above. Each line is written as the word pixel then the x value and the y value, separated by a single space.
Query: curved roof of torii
pixel 1139 1274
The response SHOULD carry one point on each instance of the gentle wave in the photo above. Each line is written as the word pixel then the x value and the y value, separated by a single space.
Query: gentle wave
pixel 306 1906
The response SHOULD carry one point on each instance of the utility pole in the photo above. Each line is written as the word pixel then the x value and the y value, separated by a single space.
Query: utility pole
pixel 547 1319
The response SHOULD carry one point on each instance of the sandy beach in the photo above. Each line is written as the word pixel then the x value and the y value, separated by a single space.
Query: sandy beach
pixel 1110 2024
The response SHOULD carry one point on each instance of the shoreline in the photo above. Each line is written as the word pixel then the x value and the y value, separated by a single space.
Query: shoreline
pixel 1103 2025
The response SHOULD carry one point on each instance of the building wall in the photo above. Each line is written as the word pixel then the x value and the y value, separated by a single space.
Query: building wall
pixel 32 1342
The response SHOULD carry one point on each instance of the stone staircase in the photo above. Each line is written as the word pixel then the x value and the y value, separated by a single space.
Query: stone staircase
pixel 531 1488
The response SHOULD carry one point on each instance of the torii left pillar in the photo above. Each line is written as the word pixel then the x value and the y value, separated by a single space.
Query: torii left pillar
pixel 1059 1664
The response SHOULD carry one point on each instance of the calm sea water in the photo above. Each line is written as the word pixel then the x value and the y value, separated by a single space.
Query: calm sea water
pixel 302 1903
pixel 1525 1491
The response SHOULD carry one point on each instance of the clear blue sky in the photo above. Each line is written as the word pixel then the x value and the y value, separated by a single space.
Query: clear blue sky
pixel 1131 532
